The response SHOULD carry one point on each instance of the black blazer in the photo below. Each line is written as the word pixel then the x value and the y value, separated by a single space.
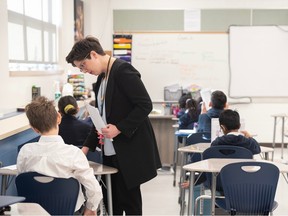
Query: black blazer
pixel 128 106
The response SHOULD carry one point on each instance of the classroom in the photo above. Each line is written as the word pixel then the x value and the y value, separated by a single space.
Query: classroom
pixel 176 42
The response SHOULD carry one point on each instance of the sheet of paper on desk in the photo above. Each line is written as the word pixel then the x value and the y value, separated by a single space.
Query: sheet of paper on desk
pixel 95 117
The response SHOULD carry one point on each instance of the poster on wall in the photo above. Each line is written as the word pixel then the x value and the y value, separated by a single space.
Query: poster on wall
pixel 78 20
pixel 122 47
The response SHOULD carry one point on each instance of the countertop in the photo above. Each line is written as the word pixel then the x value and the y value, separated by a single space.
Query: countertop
pixel 18 123
pixel 13 125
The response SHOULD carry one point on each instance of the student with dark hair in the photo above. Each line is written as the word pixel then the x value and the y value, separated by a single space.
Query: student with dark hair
pixel 71 129
pixel 229 121
pixel 218 103
pixel 190 117
pixel 51 156
pixel 182 104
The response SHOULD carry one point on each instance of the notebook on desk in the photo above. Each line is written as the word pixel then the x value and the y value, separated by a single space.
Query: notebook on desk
pixel 9 200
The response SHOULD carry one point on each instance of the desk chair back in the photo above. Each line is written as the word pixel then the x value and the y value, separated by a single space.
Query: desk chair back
pixel 249 187
pixel 198 137
pixel 194 138
pixel 224 151
pixel 58 196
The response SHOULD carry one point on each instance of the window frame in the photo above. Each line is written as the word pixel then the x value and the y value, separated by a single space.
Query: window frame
pixel 47 65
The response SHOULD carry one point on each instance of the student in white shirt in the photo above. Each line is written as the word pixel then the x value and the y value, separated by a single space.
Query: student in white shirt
pixel 51 156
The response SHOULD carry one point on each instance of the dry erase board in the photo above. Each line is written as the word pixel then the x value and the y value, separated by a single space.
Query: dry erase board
pixel 258 61
pixel 164 59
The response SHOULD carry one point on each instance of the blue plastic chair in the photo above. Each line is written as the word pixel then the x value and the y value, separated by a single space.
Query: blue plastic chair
pixel 198 137
pixel 58 196
pixel 222 151
pixel 249 188
pixel 194 138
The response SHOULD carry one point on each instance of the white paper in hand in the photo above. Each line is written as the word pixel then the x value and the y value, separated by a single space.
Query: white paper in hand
pixel 206 97
pixel 95 117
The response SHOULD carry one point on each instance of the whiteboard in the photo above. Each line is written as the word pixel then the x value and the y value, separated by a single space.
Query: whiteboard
pixel 258 61
pixel 164 59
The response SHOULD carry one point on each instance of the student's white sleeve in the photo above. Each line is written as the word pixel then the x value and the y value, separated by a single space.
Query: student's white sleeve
pixel 86 177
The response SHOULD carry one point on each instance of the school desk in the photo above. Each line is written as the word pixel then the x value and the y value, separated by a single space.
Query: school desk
pixel 200 148
pixel 214 165
pixel 26 209
pixel 184 134
pixel 98 169
pixel 282 117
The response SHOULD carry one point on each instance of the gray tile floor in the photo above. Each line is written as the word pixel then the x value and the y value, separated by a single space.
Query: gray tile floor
pixel 161 198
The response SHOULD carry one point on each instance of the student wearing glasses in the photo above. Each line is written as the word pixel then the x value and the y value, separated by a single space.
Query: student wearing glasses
pixel 129 140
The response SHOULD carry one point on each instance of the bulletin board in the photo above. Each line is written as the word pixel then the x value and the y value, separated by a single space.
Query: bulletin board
pixel 165 59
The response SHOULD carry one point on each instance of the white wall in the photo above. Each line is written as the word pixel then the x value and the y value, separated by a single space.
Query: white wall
pixel 16 91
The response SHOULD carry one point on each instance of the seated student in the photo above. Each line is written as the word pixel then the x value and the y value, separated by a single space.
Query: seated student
pixel 190 117
pixel 230 123
pixel 218 104
pixel 182 104
pixel 72 130
pixel 187 120
pixel 51 156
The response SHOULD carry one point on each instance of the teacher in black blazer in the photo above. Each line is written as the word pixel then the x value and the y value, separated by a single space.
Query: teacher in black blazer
pixel 129 142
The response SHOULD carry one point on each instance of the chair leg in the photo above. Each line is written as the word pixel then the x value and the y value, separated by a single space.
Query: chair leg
pixel 202 192
pixel 201 197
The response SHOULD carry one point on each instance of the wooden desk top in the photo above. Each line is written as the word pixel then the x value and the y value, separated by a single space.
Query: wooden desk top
pixel 196 148
pixel 280 115
pixel 201 147
pixel 9 170
pixel 26 209
pixel 216 164
pixel 99 169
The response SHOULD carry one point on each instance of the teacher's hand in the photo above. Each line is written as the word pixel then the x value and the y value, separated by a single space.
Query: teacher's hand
pixel 110 131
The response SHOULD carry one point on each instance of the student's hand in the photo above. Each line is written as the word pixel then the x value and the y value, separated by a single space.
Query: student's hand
pixel 226 106
pixel 85 149
pixel 89 212
pixel 246 134
pixel 110 131
pixel 185 184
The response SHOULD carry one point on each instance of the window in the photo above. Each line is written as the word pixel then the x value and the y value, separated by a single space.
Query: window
pixel 32 34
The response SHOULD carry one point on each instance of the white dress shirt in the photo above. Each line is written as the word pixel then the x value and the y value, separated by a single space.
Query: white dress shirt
pixel 51 156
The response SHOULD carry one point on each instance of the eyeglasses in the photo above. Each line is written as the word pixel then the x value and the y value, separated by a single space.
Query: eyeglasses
pixel 82 64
